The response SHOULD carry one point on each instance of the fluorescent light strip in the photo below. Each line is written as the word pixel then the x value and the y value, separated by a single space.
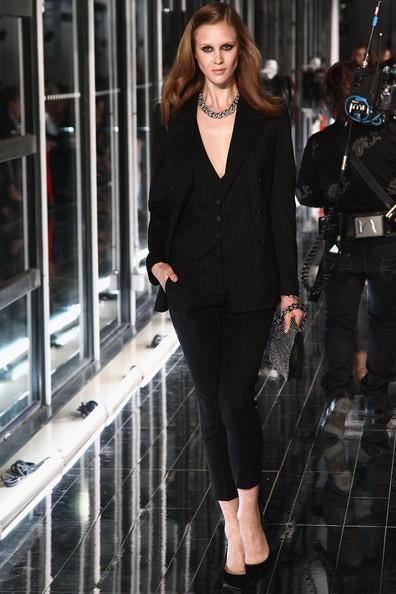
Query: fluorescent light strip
pixel 104 283
pixel 20 347
pixel 13 351
pixel 67 317
pixel 20 370
pixel 66 337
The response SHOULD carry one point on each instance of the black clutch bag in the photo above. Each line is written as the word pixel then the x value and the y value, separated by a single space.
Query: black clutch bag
pixel 286 351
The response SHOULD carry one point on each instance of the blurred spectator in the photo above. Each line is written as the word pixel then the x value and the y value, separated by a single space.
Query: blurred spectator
pixel 386 55
pixel 278 84
pixel 313 74
pixel 10 113
pixel 359 53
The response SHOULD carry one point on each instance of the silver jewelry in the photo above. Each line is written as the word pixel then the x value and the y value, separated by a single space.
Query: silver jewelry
pixel 218 115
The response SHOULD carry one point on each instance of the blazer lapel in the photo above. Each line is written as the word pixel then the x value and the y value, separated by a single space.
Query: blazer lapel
pixel 248 123
pixel 247 126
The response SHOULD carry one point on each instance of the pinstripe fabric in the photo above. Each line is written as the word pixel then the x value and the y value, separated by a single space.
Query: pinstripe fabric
pixel 223 302
pixel 258 206
pixel 223 349
pixel 197 226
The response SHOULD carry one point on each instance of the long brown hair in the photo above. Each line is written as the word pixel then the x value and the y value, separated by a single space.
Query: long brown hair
pixel 185 77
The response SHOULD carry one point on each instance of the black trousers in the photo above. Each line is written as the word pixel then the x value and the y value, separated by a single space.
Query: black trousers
pixel 374 261
pixel 223 351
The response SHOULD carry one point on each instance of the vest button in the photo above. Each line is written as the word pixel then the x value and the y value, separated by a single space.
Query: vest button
pixel 218 219
pixel 218 202
pixel 258 211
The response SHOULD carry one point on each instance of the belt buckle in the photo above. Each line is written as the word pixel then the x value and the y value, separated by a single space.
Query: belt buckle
pixel 369 226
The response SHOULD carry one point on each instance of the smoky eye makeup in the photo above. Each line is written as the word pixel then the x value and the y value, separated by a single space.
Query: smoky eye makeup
pixel 225 46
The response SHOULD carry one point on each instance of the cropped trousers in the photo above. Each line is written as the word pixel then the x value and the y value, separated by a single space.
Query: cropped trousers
pixel 223 351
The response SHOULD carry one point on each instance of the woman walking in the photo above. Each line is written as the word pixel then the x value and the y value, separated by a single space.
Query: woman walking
pixel 222 248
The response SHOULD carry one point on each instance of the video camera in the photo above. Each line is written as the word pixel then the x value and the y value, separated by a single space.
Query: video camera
pixel 373 95
pixel 372 100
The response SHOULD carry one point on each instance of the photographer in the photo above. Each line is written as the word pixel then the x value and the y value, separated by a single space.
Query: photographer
pixel 367 252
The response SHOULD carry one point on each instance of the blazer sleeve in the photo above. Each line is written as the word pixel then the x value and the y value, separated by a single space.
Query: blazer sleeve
pixel 283 208
pixel 158 206
pixel 309 192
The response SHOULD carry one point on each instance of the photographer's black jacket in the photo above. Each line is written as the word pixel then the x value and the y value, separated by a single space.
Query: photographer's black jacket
pixel 321 164
pixel 258 205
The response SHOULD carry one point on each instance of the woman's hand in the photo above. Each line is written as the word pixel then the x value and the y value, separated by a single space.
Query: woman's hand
pixel 162 271
pixel 297 314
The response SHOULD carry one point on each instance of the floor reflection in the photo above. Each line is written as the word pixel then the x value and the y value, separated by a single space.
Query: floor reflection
pixel 136 513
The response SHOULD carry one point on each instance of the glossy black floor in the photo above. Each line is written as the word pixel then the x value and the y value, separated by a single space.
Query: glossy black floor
pixel 136 514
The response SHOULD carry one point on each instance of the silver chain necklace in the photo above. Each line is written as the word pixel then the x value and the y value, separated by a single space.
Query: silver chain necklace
pixel 218 115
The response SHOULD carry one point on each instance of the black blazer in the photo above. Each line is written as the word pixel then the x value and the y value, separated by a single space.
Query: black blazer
pixel 261 168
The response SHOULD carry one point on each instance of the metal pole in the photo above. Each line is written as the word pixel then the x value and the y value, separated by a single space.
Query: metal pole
pixel 45 360
pixel 335 32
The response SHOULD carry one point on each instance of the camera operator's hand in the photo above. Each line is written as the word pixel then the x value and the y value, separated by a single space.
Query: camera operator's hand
pixel 162 271
pixel 297 314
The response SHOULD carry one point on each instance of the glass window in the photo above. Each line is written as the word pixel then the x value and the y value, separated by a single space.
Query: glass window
pixel 148 42
pixel 11 112
pixel 107 162
pixel 12 192
pixel 12 219
pixel 143 106
pixel 64 184
pixel 15 394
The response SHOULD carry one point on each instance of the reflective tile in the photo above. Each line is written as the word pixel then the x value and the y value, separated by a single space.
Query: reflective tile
pixel 367 511
pixel 392 505
pixel 306 561
pixel 192 455
pixel 181 490
pixel 136 514
pixel 279 507
pixel 389 569
pixel 301 453
pixel 359 566
pixel 322 499
pixel 158 538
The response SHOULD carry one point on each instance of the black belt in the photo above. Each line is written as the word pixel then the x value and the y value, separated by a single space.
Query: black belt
pixel 366 225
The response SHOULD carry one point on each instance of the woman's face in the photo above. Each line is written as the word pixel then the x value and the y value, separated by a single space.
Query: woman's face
pixel 217 52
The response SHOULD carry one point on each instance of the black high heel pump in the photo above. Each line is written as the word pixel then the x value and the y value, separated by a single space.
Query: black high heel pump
pixel 230 581
pixel 233 582
pixel 258 571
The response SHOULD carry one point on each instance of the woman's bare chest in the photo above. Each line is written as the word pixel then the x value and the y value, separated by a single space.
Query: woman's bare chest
pixel 216 138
